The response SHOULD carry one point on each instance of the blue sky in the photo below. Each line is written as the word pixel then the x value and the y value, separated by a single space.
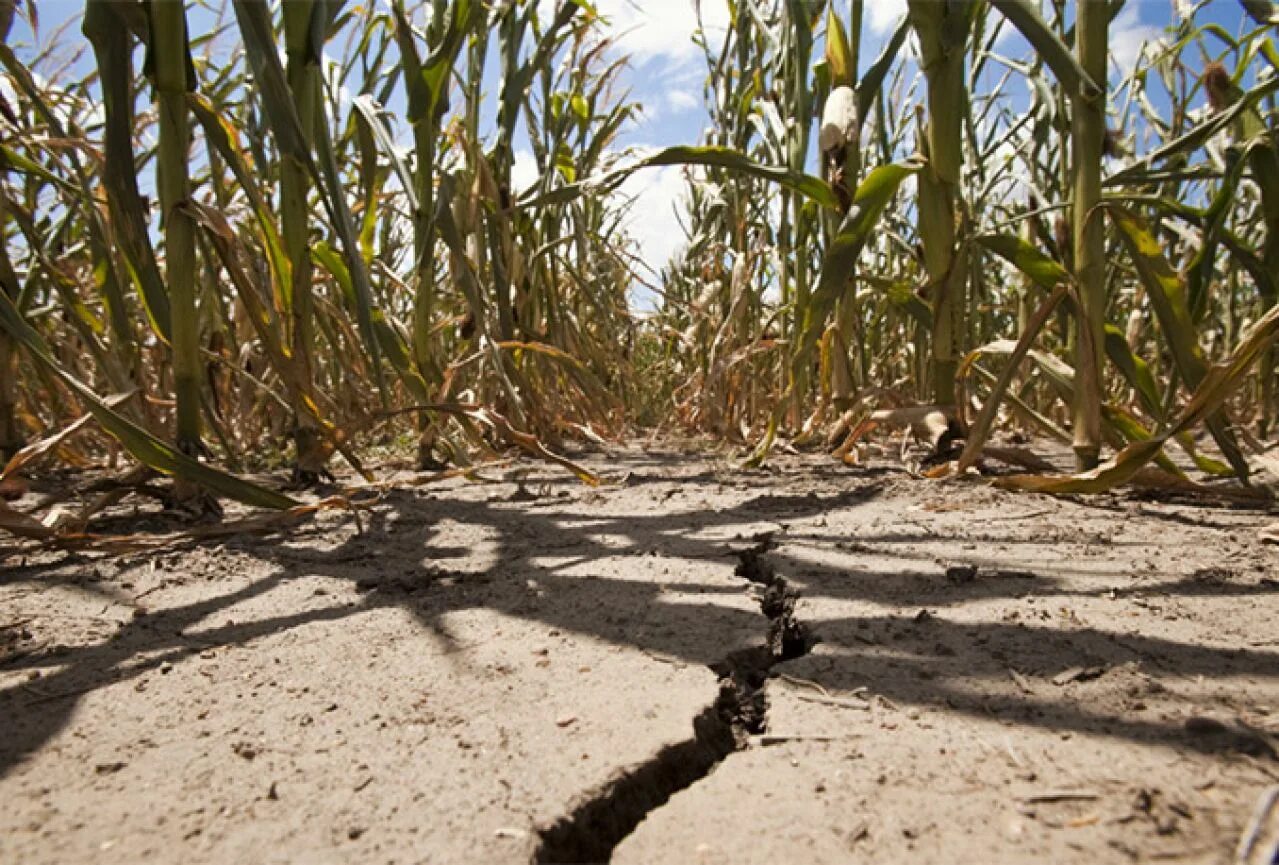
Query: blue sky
pixel 667 72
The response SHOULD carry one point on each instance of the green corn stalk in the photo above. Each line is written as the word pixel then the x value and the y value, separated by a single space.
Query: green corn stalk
pixel 171 69
pixel 842 53
pixel 303 37
pixel 10 436
pixel 1261 155
pixel 11 439
pixel 426 82
pixel 793 80
pixel 1088 133
pixel 107 27
pixel 943 30
pixel 314 148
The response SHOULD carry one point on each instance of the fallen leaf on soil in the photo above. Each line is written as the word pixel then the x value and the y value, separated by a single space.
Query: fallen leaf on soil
pixel 23 526
pixel 1078 674
pixel 927 423
pixel 1021 681
pixel 766 740
pixel 1062 796
pixel 1022 457
pixel 835 701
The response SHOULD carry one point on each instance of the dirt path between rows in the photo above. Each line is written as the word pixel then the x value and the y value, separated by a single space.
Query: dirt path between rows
pixel 699 664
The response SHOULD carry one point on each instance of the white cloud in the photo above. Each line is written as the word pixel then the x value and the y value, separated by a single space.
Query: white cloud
pixel 682 100
pixel 661 107
pixel 524 170
pixel 660 28
pixel 1128 35
pixel 657 193
pixel 667 70
pixel 884 15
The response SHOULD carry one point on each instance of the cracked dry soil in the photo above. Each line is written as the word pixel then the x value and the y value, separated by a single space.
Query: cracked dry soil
pixel 740 709
pixel 701 664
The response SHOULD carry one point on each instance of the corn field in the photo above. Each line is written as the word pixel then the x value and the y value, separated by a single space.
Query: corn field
pixel 291 236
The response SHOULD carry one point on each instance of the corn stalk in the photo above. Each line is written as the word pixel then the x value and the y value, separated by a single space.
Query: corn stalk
pixel 1088 135
pixel 11 438
pixel 943 30
pixel 172 75
pixel 304 23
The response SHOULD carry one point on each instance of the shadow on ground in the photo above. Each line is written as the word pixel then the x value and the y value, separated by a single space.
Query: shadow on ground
pixel 562 538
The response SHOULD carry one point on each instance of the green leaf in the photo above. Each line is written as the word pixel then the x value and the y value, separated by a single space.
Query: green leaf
pixel 12 160
pixel 106 30
pixel 1135 371
pixel 427 80
pixel 271 82
pixel 873 81
pixel 839 56
pixel 1167 294
pixel 872 197
pixel 371 115
pixel 226 140
pixel 812 188
pixel 1042 270
pixel 564 163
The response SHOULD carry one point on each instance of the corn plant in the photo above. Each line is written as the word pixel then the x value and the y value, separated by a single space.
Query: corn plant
pixel 1102 237
pixel 298 225
pixel 280 295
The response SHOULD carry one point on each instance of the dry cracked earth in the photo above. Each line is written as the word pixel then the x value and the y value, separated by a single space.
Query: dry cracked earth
pixel 694 664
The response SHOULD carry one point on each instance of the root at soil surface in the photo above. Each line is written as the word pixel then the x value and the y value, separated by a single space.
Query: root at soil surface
pixel 607 815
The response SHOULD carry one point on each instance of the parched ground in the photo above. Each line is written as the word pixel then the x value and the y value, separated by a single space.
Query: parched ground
pixel 696 664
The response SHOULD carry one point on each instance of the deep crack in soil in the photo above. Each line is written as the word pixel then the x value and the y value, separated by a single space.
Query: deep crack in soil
pixel 607 815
